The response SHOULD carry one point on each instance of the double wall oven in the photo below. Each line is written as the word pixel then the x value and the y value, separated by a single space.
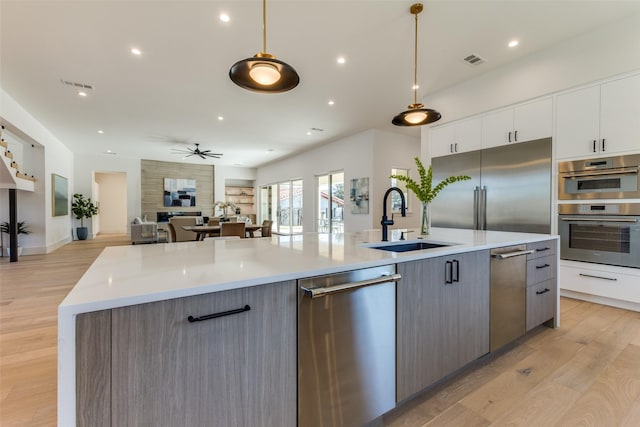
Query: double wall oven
pixel 595 228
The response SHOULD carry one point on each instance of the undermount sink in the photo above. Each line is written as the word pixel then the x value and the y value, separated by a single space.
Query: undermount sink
pixel 407 247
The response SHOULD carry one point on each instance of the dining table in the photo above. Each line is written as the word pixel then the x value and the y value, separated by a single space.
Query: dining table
pixel 204 230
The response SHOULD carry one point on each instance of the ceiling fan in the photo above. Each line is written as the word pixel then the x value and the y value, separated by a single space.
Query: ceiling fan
pixel 195 151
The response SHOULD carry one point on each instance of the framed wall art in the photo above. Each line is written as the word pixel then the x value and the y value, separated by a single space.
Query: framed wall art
pixel 179 192
pixel 359 196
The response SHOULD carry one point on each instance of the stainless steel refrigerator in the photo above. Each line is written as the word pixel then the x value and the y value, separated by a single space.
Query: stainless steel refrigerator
pixel 509 190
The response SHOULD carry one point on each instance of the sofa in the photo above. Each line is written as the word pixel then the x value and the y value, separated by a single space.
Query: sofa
pixel 143 232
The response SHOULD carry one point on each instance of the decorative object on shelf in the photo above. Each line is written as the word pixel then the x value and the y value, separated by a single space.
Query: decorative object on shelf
pixel 82 208
pixel 224 206
pixel 425 192
pixel 263 72
pixel 60 196
pixel 179 192
pixel 359 196
pixel 416 115
pixel 22 228
pixel 196 151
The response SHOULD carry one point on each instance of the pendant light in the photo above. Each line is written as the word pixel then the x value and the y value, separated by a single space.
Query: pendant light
pixel 263 72
pixel 416 115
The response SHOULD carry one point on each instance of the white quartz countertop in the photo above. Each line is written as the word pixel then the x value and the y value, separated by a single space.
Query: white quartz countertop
pixel 127 275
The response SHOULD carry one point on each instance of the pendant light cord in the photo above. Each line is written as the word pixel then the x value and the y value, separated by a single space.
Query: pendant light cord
pixel 264 26
pixel 415 64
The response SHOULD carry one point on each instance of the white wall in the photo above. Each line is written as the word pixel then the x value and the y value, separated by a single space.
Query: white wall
pixel 611 50
pixel 371 153
pixel 48 232
pixel 112 199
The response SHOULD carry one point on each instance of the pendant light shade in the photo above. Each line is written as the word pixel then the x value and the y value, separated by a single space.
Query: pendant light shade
pixel 416 115
pixel 263 72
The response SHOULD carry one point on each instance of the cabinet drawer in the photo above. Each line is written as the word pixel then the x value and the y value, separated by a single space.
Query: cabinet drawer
pixel 601 282
pixel 540 269
pixel 540 303
pixel 547 247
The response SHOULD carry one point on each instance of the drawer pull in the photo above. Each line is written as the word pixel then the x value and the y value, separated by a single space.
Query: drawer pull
pixel 613 279
pixel 543 266
pixel 192 319
pixel 542 249
pixel 543 292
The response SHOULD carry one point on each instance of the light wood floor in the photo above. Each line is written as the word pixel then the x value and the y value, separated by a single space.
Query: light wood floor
pixel 587 373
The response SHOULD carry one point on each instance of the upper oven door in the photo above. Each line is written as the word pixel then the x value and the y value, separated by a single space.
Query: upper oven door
pixel 608 178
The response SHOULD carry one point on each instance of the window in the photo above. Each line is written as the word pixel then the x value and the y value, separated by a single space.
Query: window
pixel 282 203
pixel 396 202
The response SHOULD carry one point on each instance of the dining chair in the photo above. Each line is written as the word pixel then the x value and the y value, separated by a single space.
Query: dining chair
pixel 232 229
pixel 172 232
pixel 214 221
pixel 265 231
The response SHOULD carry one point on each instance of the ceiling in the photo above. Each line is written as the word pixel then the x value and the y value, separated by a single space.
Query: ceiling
pixel 174 92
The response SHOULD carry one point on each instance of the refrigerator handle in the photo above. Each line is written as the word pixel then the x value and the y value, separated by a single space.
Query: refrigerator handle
pixel 483 208
pixel 476 199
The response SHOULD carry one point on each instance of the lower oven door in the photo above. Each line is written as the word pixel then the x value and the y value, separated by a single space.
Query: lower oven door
pixel 613 240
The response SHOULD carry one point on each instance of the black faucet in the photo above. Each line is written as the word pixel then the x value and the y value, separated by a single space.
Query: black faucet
pixel 386 222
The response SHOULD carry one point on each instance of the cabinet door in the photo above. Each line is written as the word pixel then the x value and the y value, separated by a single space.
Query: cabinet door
pixel 533 121
pixel 620 109
pixel 541 305
pixel 443 318
pixel 238 369
pixel 442 140
pixel 467 135
pixel 578 123
pixel 497 128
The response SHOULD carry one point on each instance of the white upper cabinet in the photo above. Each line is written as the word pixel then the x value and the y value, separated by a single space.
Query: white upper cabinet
pixel 456 137
pixel 599 120
pixel 620 115
pixel 522 123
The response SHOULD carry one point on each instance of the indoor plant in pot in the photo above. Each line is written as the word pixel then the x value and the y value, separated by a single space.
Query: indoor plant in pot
pixel 424 190
pixel 4 227
pixel 82 208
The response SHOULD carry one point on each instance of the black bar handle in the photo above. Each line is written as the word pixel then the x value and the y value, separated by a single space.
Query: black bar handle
pixel 543 292
pixel 457 277
pixel 542 249
pixel 509 136
pixel 455 146
pixel 594 145
pixel 543 266
pixel 192 319
pixel 448 272
pixel 603 140
pixel 515 136
pixel 451 148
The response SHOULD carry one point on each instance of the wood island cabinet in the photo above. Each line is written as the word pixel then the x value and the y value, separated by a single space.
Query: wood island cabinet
pixel 443 318
pixel 238 369
pixel 541 283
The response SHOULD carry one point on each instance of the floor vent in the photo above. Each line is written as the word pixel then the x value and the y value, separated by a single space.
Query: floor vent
pixel 75 84
pixel 474 59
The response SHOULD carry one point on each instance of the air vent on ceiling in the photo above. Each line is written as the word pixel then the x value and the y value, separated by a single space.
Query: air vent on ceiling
pixel 474 59
pixel 75 84
pixel 317 130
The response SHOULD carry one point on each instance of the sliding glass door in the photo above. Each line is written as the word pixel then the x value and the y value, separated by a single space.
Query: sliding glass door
pixel 330 202
pixel 282 203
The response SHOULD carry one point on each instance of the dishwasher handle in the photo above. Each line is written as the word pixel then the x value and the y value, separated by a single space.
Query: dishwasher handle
pixel 512 254
pixel 320 292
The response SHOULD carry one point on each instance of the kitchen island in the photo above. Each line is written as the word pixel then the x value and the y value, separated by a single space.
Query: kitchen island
pixel 98 321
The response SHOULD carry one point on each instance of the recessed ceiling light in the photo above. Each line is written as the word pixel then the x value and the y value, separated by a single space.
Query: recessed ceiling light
pixel 82 93
pixel 136 51
pixel 224 17
pixel 101 131
pixel 513 43
pixel 309 133
pixel 331 102
pixel 414 87
pixel 220 118
pixel 341 60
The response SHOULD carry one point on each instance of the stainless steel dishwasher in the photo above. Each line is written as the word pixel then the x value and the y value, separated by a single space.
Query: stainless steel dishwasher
pixel 508 294
pixel 347 347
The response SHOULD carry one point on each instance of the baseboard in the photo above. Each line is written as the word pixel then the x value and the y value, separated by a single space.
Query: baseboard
pixel 601 300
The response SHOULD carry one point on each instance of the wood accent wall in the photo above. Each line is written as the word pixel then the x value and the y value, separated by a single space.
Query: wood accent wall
pixel 152 174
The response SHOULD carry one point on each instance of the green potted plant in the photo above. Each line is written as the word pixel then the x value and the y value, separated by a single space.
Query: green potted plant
pixel 424 190
pixel 82 208
pixel 4 227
